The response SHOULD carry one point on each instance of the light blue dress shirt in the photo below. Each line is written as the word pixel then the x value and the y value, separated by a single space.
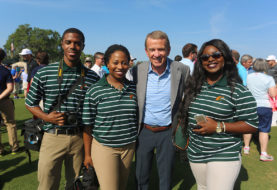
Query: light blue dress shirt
pixel 157 109
pixel 242 73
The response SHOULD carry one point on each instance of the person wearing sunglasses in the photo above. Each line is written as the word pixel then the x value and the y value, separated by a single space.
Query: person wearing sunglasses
pixel 216 92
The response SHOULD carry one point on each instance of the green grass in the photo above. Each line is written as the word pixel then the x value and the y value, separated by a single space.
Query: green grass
pixel 17 173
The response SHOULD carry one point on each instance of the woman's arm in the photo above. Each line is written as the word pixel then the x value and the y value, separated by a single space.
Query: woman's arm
pixel 87 138
pixel 238 127
pixel 272 91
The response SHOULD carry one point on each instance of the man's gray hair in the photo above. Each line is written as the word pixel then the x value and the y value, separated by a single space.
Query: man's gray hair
pixel 245 58
pixel 260 65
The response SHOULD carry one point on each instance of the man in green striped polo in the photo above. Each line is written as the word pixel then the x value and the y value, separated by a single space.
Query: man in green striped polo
pixel 62 141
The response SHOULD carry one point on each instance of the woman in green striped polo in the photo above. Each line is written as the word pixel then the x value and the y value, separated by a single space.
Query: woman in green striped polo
pixel 216 92
pixel 110 120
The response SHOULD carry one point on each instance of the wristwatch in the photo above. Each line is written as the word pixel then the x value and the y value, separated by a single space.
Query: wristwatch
pixel 218 128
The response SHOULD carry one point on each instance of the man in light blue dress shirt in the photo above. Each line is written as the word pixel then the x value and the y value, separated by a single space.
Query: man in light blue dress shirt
pixel 160 87
pixel 189 53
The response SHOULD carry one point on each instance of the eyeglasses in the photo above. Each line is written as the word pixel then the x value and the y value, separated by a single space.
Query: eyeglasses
pixel 215 55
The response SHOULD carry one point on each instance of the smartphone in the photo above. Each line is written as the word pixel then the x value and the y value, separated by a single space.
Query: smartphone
pixel 200 118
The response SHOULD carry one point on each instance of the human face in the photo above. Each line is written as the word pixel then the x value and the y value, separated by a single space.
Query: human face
pixel 271 63
pixel 118 65
pixel 99 60
pixel 88 64
pixel 194 55
pixel 26 57
pixel 157 52
pixel 214 64
pixel 247 64
pixel 72 46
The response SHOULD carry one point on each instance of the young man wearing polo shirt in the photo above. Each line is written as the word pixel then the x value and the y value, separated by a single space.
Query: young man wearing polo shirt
pixel 7 105
pixel 62 139
pixel 160 86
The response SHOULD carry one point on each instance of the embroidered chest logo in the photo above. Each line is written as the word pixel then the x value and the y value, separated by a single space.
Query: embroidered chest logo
pixel 131 96
pixel 219 98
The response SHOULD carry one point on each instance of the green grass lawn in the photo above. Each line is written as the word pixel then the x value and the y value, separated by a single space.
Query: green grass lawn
pixel 17 173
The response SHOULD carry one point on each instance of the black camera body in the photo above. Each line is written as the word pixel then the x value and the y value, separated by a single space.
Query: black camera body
pixel 70 118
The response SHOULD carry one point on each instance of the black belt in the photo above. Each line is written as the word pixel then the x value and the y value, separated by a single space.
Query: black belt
pixel 68 131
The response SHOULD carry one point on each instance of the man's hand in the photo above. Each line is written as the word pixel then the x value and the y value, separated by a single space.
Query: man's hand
pixel 55 118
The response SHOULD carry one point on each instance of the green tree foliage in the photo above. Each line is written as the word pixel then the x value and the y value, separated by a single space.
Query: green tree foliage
pixel 35 39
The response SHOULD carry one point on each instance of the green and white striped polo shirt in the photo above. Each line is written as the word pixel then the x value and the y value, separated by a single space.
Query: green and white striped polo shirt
pixel 216 102
pixel 45 86
pixel 111 113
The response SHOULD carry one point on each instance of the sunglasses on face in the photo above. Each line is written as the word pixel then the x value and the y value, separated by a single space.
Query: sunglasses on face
pixel 215 55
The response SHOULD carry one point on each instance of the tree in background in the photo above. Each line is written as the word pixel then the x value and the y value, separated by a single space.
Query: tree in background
pixel 35 39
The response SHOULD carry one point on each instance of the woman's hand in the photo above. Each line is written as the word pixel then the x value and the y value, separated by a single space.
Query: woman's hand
pixel 208 127
pixel 88 161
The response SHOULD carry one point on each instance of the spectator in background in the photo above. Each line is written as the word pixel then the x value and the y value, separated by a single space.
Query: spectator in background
pixel 98 63
pixel 88 62
pixel 271 60
pixel 246 61
pixel 261 85
pixel 7 106
pixel 16 73
pixel 129 74
pixel 241 69
pixel 24 77
pixel 178 58
pixel 42 59
pixel 190 54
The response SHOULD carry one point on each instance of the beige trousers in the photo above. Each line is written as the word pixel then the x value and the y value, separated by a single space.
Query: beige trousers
pixel 112 165
pixel 54 150
pixel 216 175
pixel 7 113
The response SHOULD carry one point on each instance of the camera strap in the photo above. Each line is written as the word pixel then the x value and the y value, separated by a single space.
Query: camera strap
pixel 80 80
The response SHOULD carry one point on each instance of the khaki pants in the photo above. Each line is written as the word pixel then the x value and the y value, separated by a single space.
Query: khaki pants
pixel 112 165
pixel 7 113
pixel 216 175
pixel 54 150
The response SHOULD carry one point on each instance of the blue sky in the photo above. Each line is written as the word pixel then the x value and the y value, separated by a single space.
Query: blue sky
pixel 249 26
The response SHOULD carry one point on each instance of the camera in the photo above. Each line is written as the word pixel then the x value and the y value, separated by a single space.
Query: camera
pixel 70 118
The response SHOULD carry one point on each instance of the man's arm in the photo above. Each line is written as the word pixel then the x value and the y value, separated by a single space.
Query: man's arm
pixel 53 117
pixel 7 92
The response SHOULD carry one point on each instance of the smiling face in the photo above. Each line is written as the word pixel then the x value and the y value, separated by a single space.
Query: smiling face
pixel 72 46
pixel 157 51
pixel 118 65
pixel 215 62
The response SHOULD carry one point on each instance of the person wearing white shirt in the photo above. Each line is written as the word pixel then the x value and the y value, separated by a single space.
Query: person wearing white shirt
pixel 189 53
pixel 98 63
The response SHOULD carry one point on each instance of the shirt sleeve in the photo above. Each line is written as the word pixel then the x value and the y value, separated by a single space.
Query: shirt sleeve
pixel 9 78
pixel 36 91
pixel 245 107
pixel 89 109
pixel 271 82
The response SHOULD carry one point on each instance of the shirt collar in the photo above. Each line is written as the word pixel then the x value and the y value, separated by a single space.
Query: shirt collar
pixel 222 82
pixel 167 69
pixel 75 68
pixel 103 82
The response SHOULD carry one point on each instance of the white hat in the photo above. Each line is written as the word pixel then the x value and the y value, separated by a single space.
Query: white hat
pixel 271 57
pixel 133 58
pixel 25 52
pixel 88 59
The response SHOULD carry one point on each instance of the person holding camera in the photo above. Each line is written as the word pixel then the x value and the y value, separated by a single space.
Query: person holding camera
pixel 62 86
pixel 110 119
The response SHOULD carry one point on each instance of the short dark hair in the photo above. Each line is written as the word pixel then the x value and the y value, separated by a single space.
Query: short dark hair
pixel 2 54
pixel 114 48
pixel 235 54
pixel 96 55
pixel 42 57
pixel 188 48
pixel 74 30
pixel 178 58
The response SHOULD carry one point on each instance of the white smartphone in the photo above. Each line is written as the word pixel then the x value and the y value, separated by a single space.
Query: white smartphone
pixel 200 118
